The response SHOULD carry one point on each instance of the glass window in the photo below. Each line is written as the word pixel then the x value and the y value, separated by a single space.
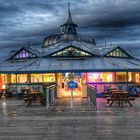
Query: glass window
pixel 36 78
pixel 71 52
pixel 3 81
pixel 24 54
pixel 121 77
pixel 129 76
pixel 13 78
pixel 137 77
pixel 21 78
pixel 100 77
pixel 117 53
pixel 49 77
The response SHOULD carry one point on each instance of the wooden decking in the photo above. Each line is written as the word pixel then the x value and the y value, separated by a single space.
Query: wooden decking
pixel 17 122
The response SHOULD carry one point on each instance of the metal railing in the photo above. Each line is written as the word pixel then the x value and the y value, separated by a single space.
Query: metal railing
pixel 91 93
pixel 50 92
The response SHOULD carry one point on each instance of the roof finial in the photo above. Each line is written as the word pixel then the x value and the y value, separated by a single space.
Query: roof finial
pixel 69 5
pixel 69 26
pixel 69 14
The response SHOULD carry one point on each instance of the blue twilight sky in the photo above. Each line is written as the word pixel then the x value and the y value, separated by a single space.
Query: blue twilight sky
pixel 116 21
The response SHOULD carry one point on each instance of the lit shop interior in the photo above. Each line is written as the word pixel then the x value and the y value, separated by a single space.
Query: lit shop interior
pixel 99 80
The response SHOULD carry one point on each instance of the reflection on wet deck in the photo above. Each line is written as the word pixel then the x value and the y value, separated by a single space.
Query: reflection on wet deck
pixel 60 122
pixel 64 105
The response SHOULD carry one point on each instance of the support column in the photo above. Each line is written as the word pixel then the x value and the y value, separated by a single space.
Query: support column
pixel 8 78
pixel 29 78
pixel 16 86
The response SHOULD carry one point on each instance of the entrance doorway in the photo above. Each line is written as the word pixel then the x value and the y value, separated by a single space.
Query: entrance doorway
pixel 62 85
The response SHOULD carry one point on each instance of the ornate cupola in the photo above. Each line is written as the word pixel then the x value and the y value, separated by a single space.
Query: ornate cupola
pixel 69 27
pixel 68 34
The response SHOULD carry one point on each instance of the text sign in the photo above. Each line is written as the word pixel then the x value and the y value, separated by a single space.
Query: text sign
pixel 71 84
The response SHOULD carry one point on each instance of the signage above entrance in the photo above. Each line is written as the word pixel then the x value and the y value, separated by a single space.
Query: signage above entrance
pixel 71 84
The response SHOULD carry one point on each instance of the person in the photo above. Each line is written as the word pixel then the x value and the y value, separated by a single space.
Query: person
pixel 62 84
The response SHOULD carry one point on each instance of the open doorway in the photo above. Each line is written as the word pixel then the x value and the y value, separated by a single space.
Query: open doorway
pixel 62 85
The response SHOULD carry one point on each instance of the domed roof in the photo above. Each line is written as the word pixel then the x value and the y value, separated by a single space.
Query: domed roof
pixel 54 39
pixel 68 33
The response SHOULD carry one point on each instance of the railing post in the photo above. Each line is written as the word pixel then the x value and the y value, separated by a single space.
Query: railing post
pixel 50 91
pixel 16 88
pixel 47 102
pixel 92 96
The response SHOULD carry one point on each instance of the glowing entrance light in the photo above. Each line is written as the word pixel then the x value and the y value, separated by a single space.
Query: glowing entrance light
pixel 3 86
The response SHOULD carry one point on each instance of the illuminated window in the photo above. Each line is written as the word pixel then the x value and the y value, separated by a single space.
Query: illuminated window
pixel 117 53
pixel 59 77
pixel 137 77
pixel 21 78
pixel 49 77
pixel 24 54
pixel 3 81
pixel 13 78
pixel 121 77
pixel 71 52
pixel 36 78
pixel 83 78
pixel 100 77
pixel 129 76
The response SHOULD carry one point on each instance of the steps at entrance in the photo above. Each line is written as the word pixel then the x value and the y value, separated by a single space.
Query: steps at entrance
pixel 62 107
pixel 68 97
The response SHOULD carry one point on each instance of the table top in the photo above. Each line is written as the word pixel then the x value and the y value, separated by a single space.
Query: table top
pixel 35 92
pixel 120 92
pixel 111 89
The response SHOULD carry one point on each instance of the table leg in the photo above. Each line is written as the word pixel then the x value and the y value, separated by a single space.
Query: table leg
pixel 129 102
pixel 111 103
pixel 29 103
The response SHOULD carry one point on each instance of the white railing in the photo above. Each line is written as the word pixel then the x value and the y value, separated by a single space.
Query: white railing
pixel 50 95
pixel 91 93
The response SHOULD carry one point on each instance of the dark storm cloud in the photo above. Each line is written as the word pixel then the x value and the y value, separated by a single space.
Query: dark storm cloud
pixel 112 20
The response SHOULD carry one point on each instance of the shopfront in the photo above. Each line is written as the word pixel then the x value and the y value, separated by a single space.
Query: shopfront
pixel 120 80
pixel 99 80
pixel 62 84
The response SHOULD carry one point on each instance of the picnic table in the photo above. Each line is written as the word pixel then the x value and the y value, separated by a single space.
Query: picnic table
pixel 108 92
pixel 34 96
pixel 120 97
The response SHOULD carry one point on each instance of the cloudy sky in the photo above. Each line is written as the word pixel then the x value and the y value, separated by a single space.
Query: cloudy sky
pixel 116 21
